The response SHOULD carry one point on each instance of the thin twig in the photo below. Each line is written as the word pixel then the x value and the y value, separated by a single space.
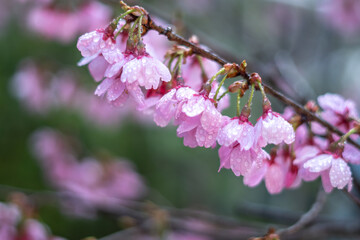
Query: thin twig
pixel 308 217
pixel 352 197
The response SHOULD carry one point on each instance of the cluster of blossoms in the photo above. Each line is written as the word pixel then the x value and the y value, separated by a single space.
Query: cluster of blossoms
pixel 109 182
pixel 184 94
pixel 44 15
pixel 119 59
pixel 40 91
pixel 319 153
pixel 17 223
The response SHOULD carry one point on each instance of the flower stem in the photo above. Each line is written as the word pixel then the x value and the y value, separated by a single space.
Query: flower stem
pixel 221 71
pixel 116 21
pixel 131 32
pixel 140 27
pixel 348 134
pixel 262 90
pixel 251 95
pixel 179 64
pixel 220 85
pixel 222 95
pixel 238 103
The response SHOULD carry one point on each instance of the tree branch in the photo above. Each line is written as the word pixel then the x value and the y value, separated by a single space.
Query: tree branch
pixel 168 32
pixel 308 217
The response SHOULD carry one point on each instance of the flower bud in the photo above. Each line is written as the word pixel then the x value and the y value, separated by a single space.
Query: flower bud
pixel 312 106
pixel 255 78
pixel 236 86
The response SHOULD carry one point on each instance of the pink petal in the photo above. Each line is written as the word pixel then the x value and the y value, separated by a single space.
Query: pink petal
pixel 185 93
pixel 104 86
pixel 326 182
pixel 305 153
pixel 165 109
pixel 235 160
pixel 113 56
pixel 240 161
pixel 351 154
pixel 97 68
pixel 211 119
pixel 205 139
pixel 224 155
pixel 274 179
pixel 116 89
pixel 188 124
pixel 229 133
pixel 255 174
pixel 189 138
pixel 274 129
pixel 340 173
pixel 319 163
pixel 89 43
pixel 136 93
pixel 195 106
pixel 114 69
pixel 247 136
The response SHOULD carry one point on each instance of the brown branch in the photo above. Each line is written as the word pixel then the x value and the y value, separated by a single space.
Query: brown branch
pixel 355 199
pixel 212 56
pixel 308 217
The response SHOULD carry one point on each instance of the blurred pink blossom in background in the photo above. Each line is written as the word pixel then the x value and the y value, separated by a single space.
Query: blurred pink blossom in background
pixel 66 25
pixel 342 15
pixel 96 183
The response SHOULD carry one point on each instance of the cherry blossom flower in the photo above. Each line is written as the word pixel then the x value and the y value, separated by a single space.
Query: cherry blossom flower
pixel 271 128
pixel 168 105
pixel 198 119
pixel 199 122
pixel 248 163
pixel 277 171
pixel 43 18
pixel 238 131
pixel 335 172
pixel 29 85
pixel 338 111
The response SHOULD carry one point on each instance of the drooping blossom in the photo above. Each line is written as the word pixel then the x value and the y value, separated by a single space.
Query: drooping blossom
pixel 321 156
pixel 334 171
pixel 338 111
pixel 125 70
pixel 239 131
pixel 198 119
pixel 272 128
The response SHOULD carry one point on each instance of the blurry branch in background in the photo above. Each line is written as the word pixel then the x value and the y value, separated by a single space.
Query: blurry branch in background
pixel 352 197
pixel 147 217
pixel 308 217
